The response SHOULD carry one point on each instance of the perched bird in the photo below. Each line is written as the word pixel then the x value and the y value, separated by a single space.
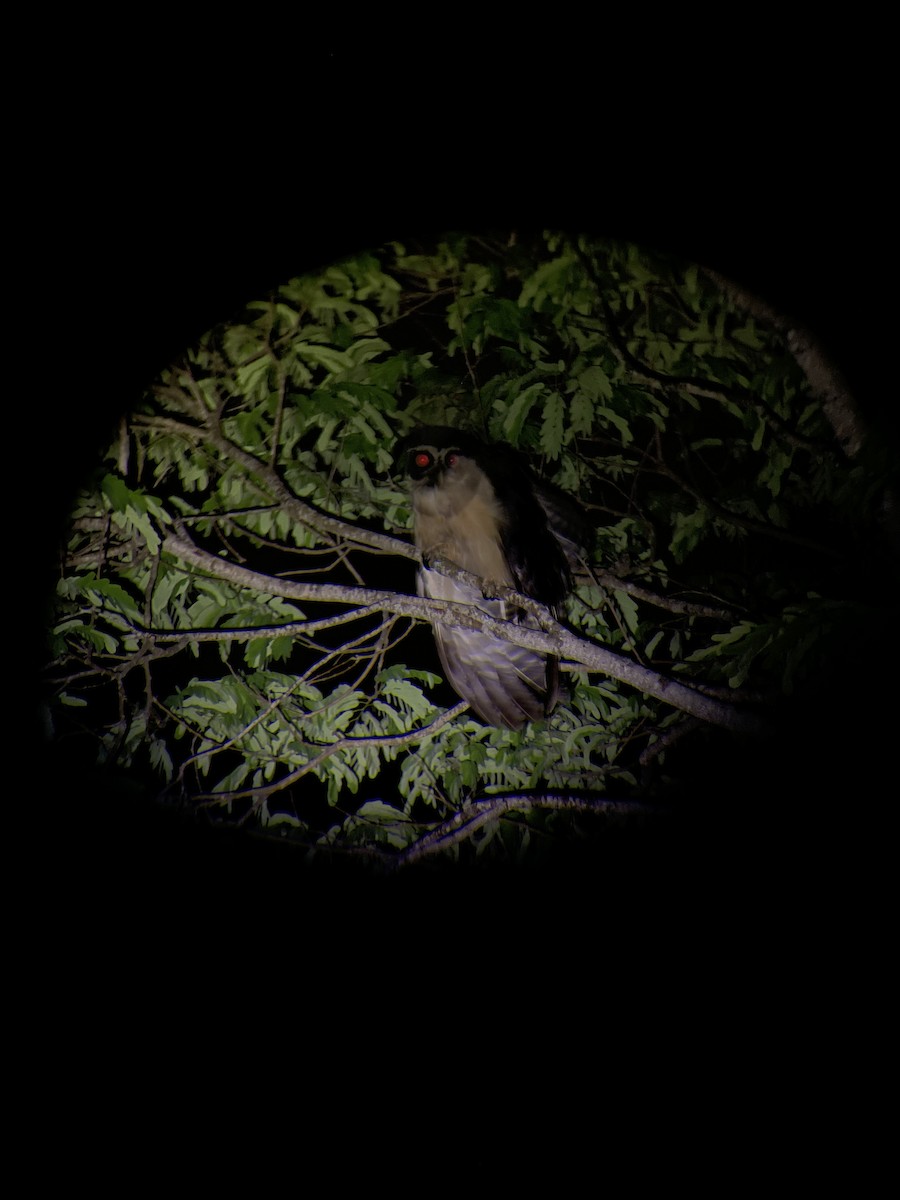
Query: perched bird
pixel 481 507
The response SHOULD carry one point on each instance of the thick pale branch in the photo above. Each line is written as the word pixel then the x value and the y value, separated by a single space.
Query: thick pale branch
pixel 553 639
pixel 305 513
pixel 247 633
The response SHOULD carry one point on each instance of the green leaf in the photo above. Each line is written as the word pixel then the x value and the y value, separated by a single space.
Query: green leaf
pixel 116 491
pixel 608 416
pixel 595 384
pixel 409 696
pixel 552 426
pixel 519 410
pixel 334 361
pixel 758 434
pixel 653 643
pixel 160 758
pixel 581 413
pixel 385 824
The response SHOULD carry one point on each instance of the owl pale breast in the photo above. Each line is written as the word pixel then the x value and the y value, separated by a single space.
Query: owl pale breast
pixel 459 517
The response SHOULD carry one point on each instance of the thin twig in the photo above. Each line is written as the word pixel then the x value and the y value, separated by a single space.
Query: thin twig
pixel 258 794
pixel 689 607
pixel 468 820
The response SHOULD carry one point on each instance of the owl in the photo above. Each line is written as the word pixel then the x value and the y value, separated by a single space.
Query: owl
pixel 481 507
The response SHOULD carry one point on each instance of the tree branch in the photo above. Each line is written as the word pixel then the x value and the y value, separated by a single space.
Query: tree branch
pixel 688 607
pixel 304 513
pixel 708 389
pixel 553 639
pixel 825 380
pixel 246 633
pixel 258 794
pixel 468 820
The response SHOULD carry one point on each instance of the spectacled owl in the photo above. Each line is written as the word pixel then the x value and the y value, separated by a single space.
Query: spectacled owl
pixel 481 507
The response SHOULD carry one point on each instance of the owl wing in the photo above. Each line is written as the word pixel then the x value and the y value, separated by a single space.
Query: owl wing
pixel 542 529
pixel 505 684
pixel 566 522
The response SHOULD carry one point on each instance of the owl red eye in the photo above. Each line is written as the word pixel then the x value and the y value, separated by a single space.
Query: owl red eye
pixel 422 459
pixel 452 460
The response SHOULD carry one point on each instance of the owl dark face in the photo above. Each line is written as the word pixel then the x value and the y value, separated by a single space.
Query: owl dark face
pixel 434 455
pixel 428 464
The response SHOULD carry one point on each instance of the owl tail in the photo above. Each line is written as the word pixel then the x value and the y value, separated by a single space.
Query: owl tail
pixel 504 684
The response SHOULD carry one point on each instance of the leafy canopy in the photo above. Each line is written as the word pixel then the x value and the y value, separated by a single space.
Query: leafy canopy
pixel 218 627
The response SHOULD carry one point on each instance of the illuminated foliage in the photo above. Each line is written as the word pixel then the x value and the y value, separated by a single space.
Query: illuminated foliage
pixel 686 428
